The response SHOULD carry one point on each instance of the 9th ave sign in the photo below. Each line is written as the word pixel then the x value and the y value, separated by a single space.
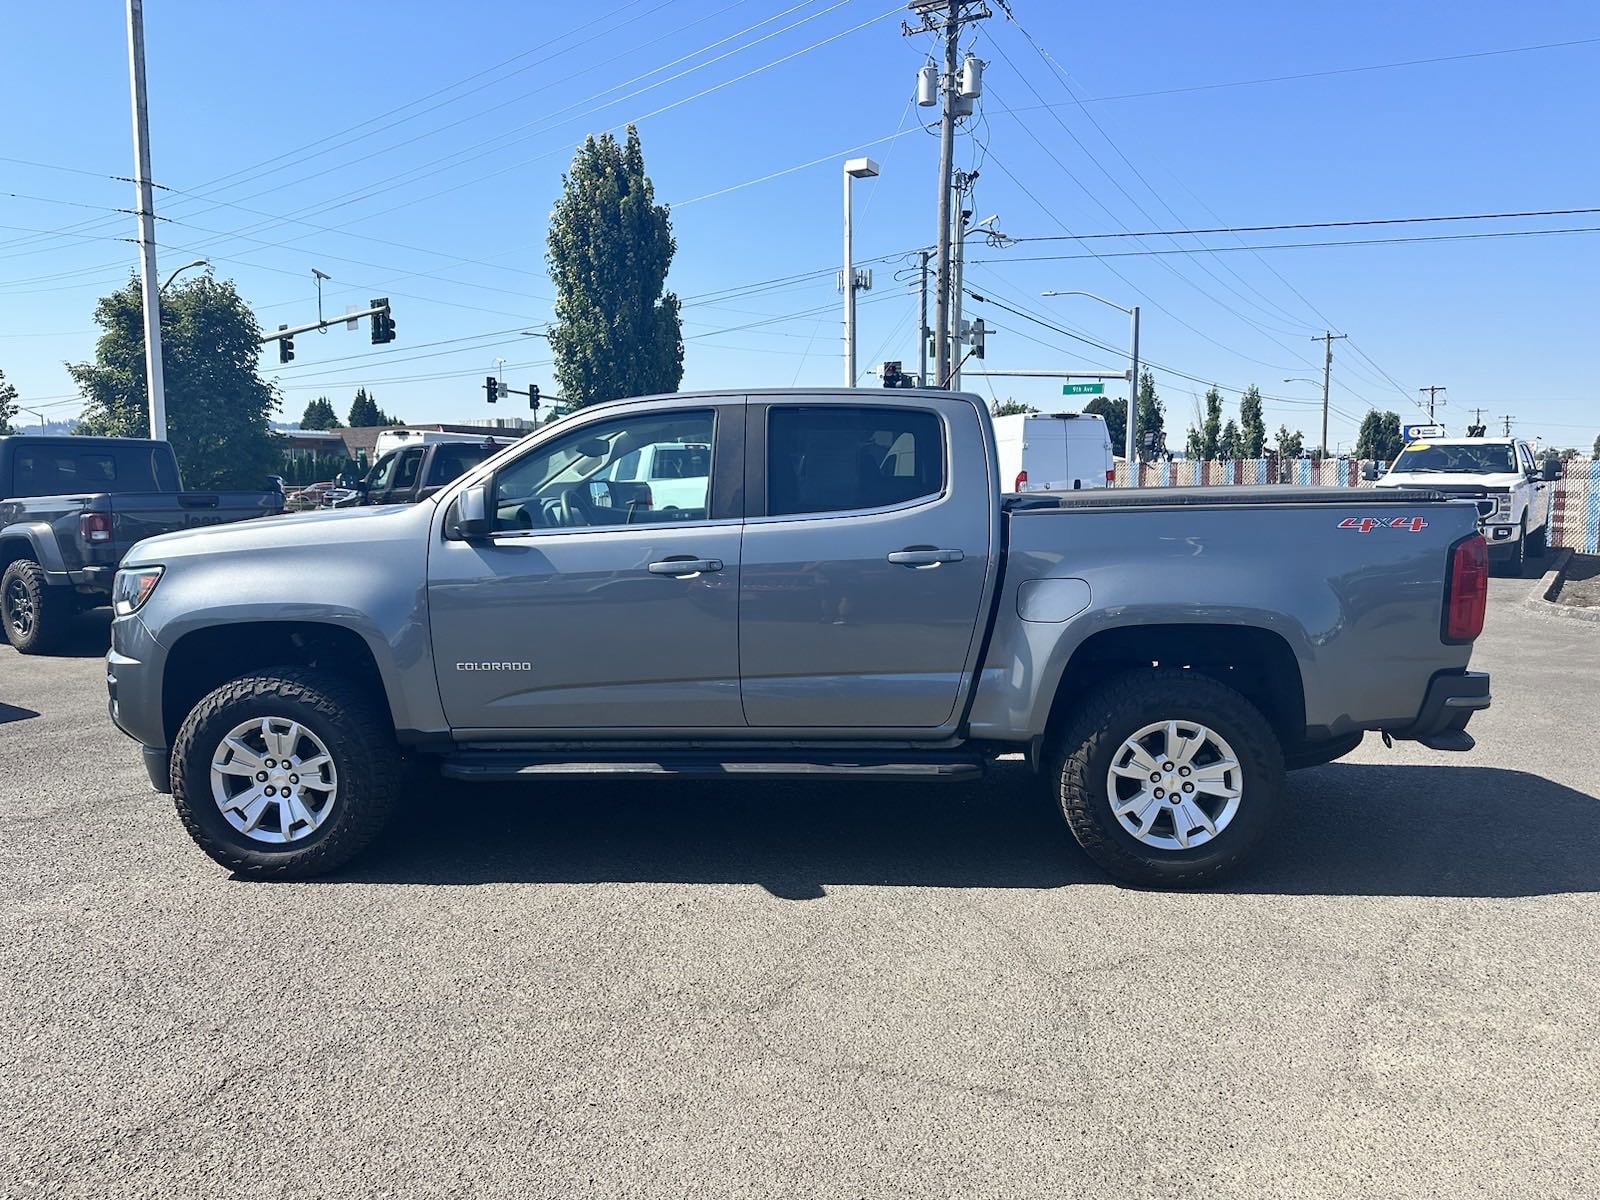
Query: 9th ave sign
pixel 1083 389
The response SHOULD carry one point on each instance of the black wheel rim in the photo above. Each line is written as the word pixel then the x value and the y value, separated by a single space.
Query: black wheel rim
pixel 19 608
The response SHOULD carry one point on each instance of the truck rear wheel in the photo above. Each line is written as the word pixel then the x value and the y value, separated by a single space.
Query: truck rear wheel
pixel 284 774
pixel 1169 778
pixel 32 612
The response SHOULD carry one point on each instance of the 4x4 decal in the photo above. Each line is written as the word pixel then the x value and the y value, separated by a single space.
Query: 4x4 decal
pixel 1368 524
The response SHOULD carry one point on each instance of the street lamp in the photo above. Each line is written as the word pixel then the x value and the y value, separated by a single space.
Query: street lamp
pixel 1131 446
pixel 199 262
pixel 854 169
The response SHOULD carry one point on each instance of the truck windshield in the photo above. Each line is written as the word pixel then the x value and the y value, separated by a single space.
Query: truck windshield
pixel 1490 458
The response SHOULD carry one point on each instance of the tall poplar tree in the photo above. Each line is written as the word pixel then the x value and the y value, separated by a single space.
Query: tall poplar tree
pixel 617 331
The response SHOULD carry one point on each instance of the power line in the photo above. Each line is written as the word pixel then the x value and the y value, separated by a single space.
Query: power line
pixel 1493 216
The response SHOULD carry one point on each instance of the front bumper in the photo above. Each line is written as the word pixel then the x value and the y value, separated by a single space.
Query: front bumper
pixel 1451 699
pixel 133 691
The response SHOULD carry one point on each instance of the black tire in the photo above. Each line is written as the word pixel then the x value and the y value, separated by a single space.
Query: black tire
pixel 1114 713
pixel 1315 754
pixel 343 718
pixel 1539 543
pixel 33 614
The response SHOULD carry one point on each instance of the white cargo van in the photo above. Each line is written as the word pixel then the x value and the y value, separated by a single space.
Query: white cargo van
pixel 1053 452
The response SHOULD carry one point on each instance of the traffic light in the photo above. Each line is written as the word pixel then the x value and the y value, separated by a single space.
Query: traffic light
pixel 491 388
pixel 285 348
pixel 382 322
pixel 533 397
pixel 976 336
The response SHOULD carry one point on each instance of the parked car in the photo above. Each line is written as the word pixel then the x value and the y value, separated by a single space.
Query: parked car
pixel 1054 452
pixel 415 472
pixel 1501 474
pixel 70 507
pixel 855 600
pixel 309 496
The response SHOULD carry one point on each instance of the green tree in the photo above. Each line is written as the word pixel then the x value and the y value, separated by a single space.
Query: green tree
pixel 1252 424
pixel 1010 408
pixel 1379 437
pixel 1152 419
pixel 1230 443
pixel 1204 443
pixel 1596 453
pixel 319 414
pixel 8 406
pixel 616 333
pixel 365 413
pixel 1115 413
pixel 1290 444
pixel 218 407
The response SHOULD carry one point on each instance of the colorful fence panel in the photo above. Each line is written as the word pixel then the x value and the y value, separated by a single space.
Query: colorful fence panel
pixel 1574 515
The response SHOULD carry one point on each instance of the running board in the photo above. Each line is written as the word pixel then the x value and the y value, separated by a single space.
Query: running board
pixel 500 766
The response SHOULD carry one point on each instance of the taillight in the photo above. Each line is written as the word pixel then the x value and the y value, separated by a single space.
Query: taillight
pixel 95 527
pixel 1466 590
pixel 1022 480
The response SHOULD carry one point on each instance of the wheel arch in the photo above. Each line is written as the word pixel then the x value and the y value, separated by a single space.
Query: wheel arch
pixel 1258 663
pixel 205 658
pixel 30 541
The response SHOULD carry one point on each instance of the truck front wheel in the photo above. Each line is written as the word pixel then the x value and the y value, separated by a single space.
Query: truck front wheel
pixel 32 612
pixel 1169 778
pixel 284 774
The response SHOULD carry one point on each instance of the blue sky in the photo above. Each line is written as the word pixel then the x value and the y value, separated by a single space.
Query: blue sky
pixel 414 150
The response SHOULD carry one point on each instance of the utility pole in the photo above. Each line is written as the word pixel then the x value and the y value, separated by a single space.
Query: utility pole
pixel 954 14
pixel 922 287
pixel 1508 418
pixel 1432 392
pixel 958 256
pixel 1327 338
pixel 150 293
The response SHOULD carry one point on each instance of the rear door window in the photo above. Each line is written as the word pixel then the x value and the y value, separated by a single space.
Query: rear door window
pixel 831 458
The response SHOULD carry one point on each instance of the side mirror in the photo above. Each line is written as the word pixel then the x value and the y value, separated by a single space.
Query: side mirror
pixel 471 517
pixel 1369 472
pixel 1551 470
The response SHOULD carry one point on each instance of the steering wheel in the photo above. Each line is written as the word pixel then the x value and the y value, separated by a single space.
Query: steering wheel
pixel 571 514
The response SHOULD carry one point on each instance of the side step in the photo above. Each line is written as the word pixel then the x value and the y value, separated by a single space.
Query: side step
pixel 500 766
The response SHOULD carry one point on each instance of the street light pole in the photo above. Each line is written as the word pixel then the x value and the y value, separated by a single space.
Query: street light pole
pixel 199 262
pixel 1131 445
pixel 149 292
pixel 854 169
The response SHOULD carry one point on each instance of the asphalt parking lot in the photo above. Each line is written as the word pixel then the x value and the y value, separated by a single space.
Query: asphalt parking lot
pixel 783 990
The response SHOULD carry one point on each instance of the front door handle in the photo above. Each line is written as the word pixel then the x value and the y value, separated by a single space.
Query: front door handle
pixel 685 566
pixel 924 556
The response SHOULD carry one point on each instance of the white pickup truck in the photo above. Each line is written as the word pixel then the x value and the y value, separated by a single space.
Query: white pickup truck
pixel 1512 491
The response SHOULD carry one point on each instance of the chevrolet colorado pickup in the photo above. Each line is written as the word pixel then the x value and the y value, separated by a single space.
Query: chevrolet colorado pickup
pixel 70 507
pixel 855 599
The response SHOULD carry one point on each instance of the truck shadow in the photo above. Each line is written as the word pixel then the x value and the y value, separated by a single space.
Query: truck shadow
pixel 87 635
pixel 1355 829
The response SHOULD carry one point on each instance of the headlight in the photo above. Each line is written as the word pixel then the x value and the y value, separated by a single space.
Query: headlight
pixel 1502 502
pixel 131 588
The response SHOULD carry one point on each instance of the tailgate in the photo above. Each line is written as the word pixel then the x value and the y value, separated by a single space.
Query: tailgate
pixel 136 516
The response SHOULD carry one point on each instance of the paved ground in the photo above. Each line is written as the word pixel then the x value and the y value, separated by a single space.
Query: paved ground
pixel 815 992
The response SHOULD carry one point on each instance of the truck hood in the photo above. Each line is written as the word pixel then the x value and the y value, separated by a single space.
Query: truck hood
pixel 323 529
pixel 1451 480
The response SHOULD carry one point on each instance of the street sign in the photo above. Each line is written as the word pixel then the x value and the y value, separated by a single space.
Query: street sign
pixel 1411 433
pixel 1083 389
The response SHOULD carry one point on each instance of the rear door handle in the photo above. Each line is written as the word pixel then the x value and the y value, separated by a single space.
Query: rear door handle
pixel 924 556
pixel 685 566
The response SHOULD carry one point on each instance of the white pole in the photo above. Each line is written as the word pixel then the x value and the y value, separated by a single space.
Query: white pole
pixel 147 223
pixel 849 291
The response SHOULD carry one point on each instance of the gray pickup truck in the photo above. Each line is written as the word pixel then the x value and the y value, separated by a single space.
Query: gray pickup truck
pixel 70 507
pixel 851 596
